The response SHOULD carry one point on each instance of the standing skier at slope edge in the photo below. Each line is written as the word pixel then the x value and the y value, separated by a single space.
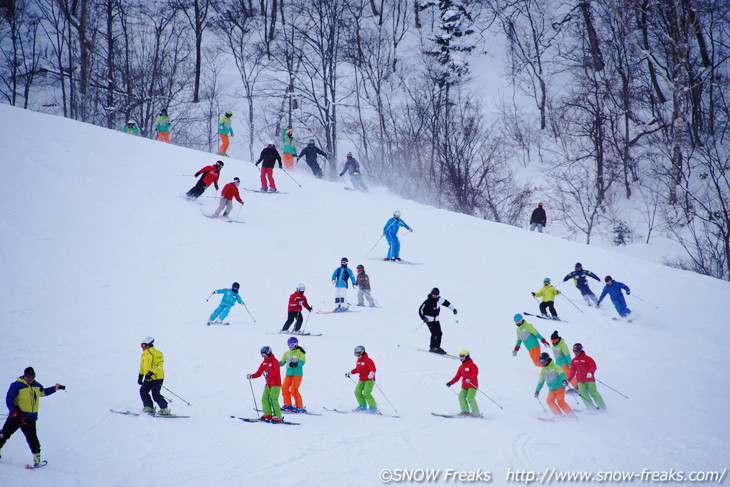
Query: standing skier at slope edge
pixel 538 219
pixel 468 372
pixel 288 148
pixel 224 131
pixel 363 288
pixel 580 275
pixel 390 230
pixel 296 301
pixel 365 368
pixel 269 368
pixel 340 278
pixel 230 298
pixel 269 156
pixel 527 334
pixel 429 313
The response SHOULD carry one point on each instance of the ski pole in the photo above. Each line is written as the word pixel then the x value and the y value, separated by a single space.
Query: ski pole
pixel 614 390
pixel 479 390
pixel 644 300
pixel 343 180
pixel 376 244
pixel 211 295
pixel 585 399
pixel 239 211
pixel 386 397
pixel 571 302
pixel 191 175
pixel 324 301
pixel 252 393
pixel 249 313
pixel 292 178
pixel 538 401
pixel 306 321
pixel 183 400
pixel 411 333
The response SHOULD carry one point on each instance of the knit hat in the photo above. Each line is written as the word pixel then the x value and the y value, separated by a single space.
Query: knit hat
pixel 29 372
pixel 555 335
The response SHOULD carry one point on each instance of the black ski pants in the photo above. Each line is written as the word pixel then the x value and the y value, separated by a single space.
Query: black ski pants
pixel 292 315
pixel 27 426
pixel 316 170
pixel 435 329
pixel 153 386
pixel 197 190
pixel 545 305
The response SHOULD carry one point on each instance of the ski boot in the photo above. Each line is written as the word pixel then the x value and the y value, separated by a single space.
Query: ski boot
pixel 373 411
pixel 360 304
pixel 266 418
pixel 150 411
pixel 272 190
pixel 276 419
pixel 163 412
pixel 299 410
pixel 264 189
pixel 287 408
pixel 37 460
pixel 360 409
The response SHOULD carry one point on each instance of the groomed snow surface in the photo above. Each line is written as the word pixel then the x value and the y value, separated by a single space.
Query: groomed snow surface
pixel 99 250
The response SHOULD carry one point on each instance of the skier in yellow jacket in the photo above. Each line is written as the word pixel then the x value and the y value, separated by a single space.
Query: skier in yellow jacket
pixel 151 375
pixel 547 293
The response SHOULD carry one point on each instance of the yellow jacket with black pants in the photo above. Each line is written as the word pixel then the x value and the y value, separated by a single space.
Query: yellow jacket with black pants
pixel 151 374
pixel 22 400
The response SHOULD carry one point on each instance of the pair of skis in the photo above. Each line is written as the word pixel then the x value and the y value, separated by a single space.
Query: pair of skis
pixel 367 413
pixel 132 413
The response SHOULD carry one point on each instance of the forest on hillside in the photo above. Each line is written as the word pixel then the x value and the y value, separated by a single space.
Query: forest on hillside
pixel 611 101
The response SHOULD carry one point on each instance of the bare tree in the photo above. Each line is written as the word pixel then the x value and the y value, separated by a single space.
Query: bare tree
pixel 196 13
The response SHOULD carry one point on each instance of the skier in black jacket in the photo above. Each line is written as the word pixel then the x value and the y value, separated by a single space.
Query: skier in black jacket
pixel 310 156
pixel 581 276
pixel 269 156
pixel 538 219
pixel 429 313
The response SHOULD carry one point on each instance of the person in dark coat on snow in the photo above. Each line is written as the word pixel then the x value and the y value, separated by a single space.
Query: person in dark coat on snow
pixel 269 156
pixel 310 156
pixel 429 313
pixel 581 276
pixel 613 289
pixel 538 219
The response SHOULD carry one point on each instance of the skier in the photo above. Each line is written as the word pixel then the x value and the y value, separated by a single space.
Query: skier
pixel 548 293
pixel 229 192
pixel 310 156
pixel 293 359
pixel 269 368
pixel 340 278
pixel 22 400
pixel 230 297
pixel 224 130
pixel 269 156
pixel 468 372
pixel 353 167
pixel 583 370
pixel 429 313
pixel 130 128
pixel 538 219
pixel 365 367
pixel 363 288
pixel 390 230
pixel 151 375
pixel 296 301
pixel 554 376
pixel 527 334
pixel 561 354
pixel 613 289
pixel 162 125
pixel 580 275
pixel 210 176
pixel 289 148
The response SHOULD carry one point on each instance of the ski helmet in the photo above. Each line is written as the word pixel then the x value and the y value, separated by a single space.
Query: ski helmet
pixel 547 279
pixel 359 350
pixel 311 141
pixel 292 342
pixel 577 348
pixel 344 260
pixel 266 350
pixel 235 287
pixel 360 267
pixel 229 113
pixel 130 122
pixel 578 264
pixel 608 279
pixel 545 358
pixel 463 355
pixel 301 287
pixel 236 180
pixel 163 111
pixel 396 214
pixel 349 154
pixel 518 318
pixel 149 341
pixel 555 338
pixel 435 291
pixel 219 163
pixel 271 142
pixel 539 204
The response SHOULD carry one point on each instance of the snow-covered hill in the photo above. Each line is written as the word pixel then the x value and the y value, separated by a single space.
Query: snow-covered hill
pixel 99 249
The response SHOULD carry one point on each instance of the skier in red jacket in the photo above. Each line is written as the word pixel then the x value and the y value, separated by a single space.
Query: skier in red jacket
pixel 269 368
pixel 296 301
pixel 365 367
pixel 229 192
pixel 468 372
pixel 583 368
pixel 210 176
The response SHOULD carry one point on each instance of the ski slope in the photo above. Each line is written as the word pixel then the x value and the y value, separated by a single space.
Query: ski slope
pixel 99 249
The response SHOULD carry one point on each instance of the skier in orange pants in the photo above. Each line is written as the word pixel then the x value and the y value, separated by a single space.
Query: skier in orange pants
pixel 553 374
pixel 293 359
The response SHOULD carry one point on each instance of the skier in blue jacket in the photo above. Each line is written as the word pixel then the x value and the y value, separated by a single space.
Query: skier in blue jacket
pixel 339 279
pixel 581 276
pixel 613 289
pixel 391 235
pixel 230 297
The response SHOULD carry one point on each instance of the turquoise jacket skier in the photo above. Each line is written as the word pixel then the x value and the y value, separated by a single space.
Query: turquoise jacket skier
pixel 230 298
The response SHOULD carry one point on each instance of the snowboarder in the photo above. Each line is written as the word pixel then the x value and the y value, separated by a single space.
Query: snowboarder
pixel 269 368
pixel 230 298
pixel 310 156
pixel 613 289
pixel 429 313
pixel 580 275
pixel 353 167
pixel 583 370
pixel 269 156
pixel 365 367
pixel 296 301
pixel 130 128
pixel 224 131
pixel 468 372
pixel 151 375
pixel 340 278
pixel 547 293
pixel 229 192
pixel 538 219
pixel 210 175
pixel 363 288
pixel 561 354
pixel 527 334
pixel 162 125
pixel 289 148
pixel 390 230
pixel 554 376
pixel 293 359
pixel 23 400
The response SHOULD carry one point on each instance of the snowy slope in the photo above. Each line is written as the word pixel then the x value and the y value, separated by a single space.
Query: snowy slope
pixel 99 250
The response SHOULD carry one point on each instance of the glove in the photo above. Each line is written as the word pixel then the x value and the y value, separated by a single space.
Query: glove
pixel 454 311
pixel 60 386
pixel 248 376
pixel 448 384
pixel 598 304
pixel 242 203
pixel 266 374
pixel 347 374
pixel 557 292
pixel 537 394
pixel 257 164
pixel 544 342
pixel 197 174
pixel 311 308
pixel 468 381
pixel 628 292
pixel 293 364
pixel 565 383
pixel 148 376
pixel 533 295
pixel 280 166
pixel 410 229
pixel 139 379
pixel 371 375
pixel 356 173
pixel 514 352
pixel 589 375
